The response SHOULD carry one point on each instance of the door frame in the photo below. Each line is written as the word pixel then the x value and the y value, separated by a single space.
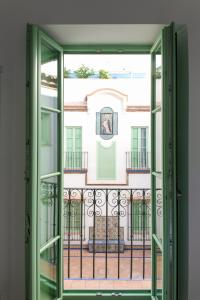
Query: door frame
pixel 180 216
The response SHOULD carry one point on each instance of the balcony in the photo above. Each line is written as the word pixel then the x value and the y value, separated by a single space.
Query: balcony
pixel 75 162
pixel 107 234
pixel 138 162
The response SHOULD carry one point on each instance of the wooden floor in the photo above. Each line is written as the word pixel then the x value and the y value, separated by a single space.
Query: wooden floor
pixel 140 266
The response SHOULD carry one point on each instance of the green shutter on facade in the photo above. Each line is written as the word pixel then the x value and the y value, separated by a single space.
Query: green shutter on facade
pixel 73 147
pixel 134 147
pixel 139 142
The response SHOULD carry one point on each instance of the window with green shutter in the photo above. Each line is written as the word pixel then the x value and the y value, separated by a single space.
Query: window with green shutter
pixel 139 157
pixel 73 148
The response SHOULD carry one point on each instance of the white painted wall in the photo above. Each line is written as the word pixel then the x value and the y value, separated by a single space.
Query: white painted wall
pixel 96 100
pixel 13 103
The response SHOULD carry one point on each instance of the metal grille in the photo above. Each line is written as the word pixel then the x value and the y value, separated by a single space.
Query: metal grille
pixel 114 224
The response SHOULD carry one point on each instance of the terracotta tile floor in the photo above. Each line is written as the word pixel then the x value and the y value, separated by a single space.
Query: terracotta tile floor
pixel 87 281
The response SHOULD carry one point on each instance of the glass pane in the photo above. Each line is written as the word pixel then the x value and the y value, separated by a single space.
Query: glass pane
pixel 158 76
pixel 48 273
pixel 49 143
pixel 159 271
pixel 158 142
pixel 49 76
pixel 48 209
pixel 159 208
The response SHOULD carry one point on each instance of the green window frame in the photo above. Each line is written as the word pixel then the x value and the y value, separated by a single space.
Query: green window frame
pixel 139 148
pixel 73 148
pixel 32 186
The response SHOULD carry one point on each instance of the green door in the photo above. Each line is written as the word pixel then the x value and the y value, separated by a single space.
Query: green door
pixel 73 148
pixel 44 166
pixel 163 162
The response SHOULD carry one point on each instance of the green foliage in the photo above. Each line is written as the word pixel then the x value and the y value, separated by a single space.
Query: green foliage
pixel 66 73
pixel 84 72
pixel 103 74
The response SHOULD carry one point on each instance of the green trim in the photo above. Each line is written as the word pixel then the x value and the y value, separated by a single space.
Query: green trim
pixel 154 174
pixel 157 109
pixel 105 297
pixel 158 242
pixel 50 175
pixel 107 294
pixel 182 162
pixel 106 49
pixel 49 243
pixel 31 164
pixel 50 109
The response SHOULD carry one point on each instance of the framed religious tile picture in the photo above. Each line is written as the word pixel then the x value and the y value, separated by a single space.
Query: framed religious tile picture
pixel 106 123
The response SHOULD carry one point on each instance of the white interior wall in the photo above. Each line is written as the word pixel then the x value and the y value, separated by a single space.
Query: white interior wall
pixel 13 103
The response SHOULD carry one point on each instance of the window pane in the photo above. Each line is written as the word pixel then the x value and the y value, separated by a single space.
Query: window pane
pixel 158 75
pixel 158 142
pixel 159 272
pixel 48 209
pixel 159 208
pixel 49 77
pixel 46 129
pixel 49 154
pixel 48 273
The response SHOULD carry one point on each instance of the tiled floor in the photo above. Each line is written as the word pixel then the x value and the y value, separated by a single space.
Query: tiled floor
pixel 112 282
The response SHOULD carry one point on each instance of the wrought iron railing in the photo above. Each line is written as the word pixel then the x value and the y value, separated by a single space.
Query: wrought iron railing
pixel 103 229
pixel 107 221
pixel 75 161
pixel 137 161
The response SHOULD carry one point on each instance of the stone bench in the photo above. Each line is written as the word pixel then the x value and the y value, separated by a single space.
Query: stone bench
pixel 97 243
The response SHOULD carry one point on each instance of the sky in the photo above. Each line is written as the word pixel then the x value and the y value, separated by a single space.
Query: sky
pixel 111 63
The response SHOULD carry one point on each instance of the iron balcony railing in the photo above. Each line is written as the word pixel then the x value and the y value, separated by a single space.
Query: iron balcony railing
pixel 103 230
pixel 104 221
pixel 137 161
pixel 75 161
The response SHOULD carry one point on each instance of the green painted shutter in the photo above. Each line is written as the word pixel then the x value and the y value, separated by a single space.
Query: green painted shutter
pixel 73 146
pixel 163 166
pixel 68 147
pixel 134 147
pixel 44 242
pixel 143 148
pixel 78 147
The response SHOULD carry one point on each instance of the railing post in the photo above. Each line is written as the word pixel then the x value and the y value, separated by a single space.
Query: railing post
pixel 143 225
pixel 118 203
pixel 81 250
pixel 69 224
pixel 131 199
pixel 106 261
pixel 94 229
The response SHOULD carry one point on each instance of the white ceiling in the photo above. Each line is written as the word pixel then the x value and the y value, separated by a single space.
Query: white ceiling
pixel 104 33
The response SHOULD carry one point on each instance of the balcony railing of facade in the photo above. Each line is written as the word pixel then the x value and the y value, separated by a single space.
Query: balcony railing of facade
pixel 138 161
pixel 107 221
pixel 103 229
pixel 75 162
